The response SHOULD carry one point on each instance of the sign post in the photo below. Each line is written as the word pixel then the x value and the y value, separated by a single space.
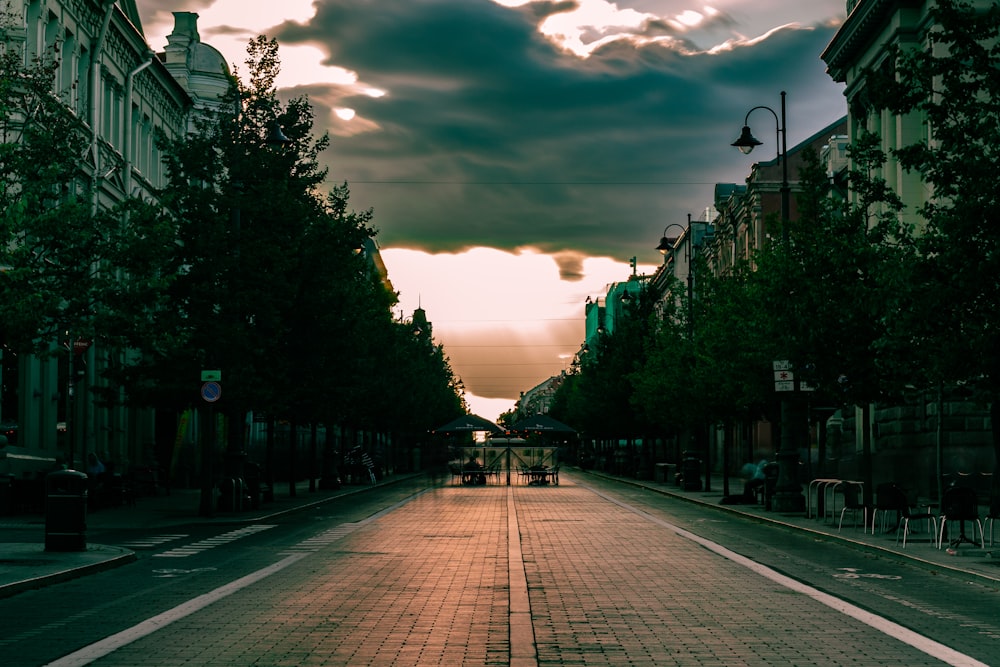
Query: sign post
pixel 788 492
pixel 211 391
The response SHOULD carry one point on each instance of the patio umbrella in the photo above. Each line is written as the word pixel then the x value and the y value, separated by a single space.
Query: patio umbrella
pixel 467 424
pixel 542 424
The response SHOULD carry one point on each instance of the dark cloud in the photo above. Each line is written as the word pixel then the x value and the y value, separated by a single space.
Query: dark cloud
pixel 570 265
pixel 490 134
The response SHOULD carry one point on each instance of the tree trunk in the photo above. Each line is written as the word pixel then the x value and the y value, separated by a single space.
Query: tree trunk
pixel 313 455
pixel 293 446
pixel 995 483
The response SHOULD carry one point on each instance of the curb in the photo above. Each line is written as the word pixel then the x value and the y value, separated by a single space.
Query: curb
pixel 123 557
pixel 949 570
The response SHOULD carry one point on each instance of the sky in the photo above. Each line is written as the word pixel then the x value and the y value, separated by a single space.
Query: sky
pixel 518 153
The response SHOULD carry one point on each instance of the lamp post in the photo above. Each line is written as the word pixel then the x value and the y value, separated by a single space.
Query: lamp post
pixel 788 492
pixel 668 244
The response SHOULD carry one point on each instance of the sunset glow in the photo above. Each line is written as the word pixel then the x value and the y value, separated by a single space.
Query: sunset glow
pixel 516 153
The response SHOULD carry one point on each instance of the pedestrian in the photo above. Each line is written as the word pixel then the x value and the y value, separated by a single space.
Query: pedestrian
pixel 755 480
pixel 94 466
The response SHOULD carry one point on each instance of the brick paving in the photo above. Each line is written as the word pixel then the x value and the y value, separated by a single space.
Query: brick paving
pixel 437 582
pixel 426 584
pixel 609 588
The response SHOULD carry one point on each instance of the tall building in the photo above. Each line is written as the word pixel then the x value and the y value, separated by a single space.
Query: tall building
pixel 123 92
pixel 903 436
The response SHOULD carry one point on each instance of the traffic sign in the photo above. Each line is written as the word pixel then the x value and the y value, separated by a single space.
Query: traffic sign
pixel 211 376
pixel 211 391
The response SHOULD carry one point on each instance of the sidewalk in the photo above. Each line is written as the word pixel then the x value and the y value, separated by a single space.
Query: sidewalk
pixel 966 560
pixel 27 565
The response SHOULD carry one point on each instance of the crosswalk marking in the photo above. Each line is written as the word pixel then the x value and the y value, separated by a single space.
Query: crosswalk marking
pixel 211 542
pixel 152 541
pixel 327 537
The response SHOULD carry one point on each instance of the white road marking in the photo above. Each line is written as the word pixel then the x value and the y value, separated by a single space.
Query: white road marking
pixel 932 648
pixel 107 645
pixel 150 542
pixel 208 543
pixel 98 650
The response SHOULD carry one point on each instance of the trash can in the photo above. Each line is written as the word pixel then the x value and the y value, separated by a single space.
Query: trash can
pixel 66 511
pixel 661 472
pixel 770 483
pixel 691 472
pixel 230 490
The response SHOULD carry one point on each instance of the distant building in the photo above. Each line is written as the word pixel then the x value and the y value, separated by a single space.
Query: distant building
pixel 538 399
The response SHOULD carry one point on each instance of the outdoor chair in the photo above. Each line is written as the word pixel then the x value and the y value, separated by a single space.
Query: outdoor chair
pixel 493 472
pixel 961 504
pixel 853 503
pixel 906 516
pixel 991 517
pixel 888 498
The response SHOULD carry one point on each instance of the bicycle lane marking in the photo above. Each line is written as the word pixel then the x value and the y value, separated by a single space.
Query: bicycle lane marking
pixel 108 645
pixel 926 645
pixel 97 650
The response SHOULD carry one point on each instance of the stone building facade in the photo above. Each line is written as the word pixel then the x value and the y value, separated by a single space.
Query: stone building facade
pixel 124 92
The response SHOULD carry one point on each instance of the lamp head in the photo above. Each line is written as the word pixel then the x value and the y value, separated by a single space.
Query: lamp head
pixel 666 244
pixel 747 142
pixel 276 137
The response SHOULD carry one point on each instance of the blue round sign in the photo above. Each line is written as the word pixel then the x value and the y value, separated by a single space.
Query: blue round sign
pixel 211 391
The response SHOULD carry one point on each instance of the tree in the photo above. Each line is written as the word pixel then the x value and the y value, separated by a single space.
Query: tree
pixel 243 209
pixel 273 284
pixel 70 270
pixel 951 82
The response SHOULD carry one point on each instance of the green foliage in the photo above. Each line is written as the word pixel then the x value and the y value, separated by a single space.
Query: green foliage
pixel 598 400
pixel 273 284
pixel 846 271
pixel 45 225
pixel 64 263
pixel 953 85
pixel 864 306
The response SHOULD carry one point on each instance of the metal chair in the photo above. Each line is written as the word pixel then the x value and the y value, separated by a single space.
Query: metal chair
pixel 906 516
pixel 961 504
pixel 853 503
pixel 888 498
pixel 991 517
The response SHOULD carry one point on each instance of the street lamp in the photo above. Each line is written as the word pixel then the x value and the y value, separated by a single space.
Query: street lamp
pixel 747 142
pixel 668 245
pixel 788 492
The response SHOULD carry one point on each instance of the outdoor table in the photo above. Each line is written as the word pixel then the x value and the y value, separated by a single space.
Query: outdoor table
pixel 538 476
pixel 474 476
